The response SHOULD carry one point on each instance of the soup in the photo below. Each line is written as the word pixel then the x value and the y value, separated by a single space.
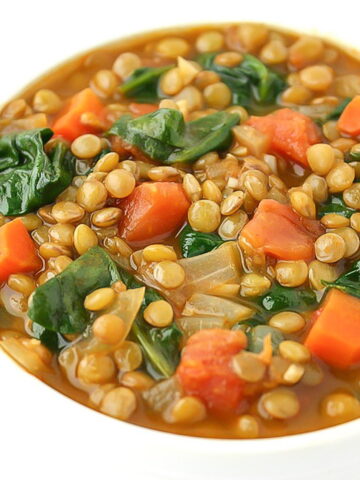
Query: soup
pixel 179 240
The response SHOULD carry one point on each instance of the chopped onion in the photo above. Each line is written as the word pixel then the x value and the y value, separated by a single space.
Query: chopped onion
pixel 162 395
pixel 126 306
pixel 191 325
pixel 28 359
pixel 231 311
pixel 314 111
pixel 202 273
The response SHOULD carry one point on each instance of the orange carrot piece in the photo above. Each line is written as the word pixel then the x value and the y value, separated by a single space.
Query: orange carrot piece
pixel 349 121
pixel 68 122
pixel 153 212
pixel 335 335
pixel 17 250
pixel 278 231
pixel 205 369
pixel 139 109
pixel 291 133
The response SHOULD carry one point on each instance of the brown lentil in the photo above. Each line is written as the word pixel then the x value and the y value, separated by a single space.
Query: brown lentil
pixel 287 322
pixel 279 403
pixel 159 313
pixel 119 403
pixel 84 238
pixel 169 274
pixel 128 356
pixel 108 328
pixel 204 216
pixel 330 248
pixel 120 183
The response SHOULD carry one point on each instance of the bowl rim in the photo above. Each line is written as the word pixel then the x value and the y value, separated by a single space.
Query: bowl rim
pixel 174 29
pixel 228 446
pixel 316 438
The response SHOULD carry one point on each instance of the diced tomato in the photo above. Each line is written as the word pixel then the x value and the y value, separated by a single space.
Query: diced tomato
pixel 17 250
pixel 205 369
pixel 139 109
pixel 67 123
pixel 153 212
pixel 349 121
pixel 277 230
pixel 291 133
pixel 335 335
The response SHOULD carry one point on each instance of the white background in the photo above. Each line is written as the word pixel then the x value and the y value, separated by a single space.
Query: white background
pixel 35 35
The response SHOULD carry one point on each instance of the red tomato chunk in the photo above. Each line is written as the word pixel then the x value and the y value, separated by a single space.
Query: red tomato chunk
pixel 205 369
pixel 153 212
pixel 291 133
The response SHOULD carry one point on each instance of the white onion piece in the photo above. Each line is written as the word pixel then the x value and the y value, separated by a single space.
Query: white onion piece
pixel 191 325
pixel 202 273
pixel 202 304
pixel 27 358
pixel 126 306
pixel 162 395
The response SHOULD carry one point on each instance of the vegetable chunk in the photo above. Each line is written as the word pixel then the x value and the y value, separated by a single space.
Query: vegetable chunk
pixel 153 212
pixel 291 133
pixel 335 336
pixel 68 122
pixel 278 231
pixel 205 368
pixel 349 121
pixel 17 250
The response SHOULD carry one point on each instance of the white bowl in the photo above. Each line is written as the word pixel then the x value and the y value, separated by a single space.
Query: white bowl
pixel 46 435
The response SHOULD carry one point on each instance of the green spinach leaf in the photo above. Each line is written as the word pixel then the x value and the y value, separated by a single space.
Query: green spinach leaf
pixel 348 282
pixel 164 136
pixel 279 298
pixel 142 85
pixel 30 177
pixel 335 114
pixel 161 346
pixel 58 305
pixel 52 340
pixel 335 204
pixel 194 243
pixel 251 82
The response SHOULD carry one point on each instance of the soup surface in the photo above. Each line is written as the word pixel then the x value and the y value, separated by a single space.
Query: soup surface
pixel 179 239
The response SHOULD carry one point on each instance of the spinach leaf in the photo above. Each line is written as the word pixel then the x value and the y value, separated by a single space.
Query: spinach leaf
pixel 142 85
pixel 209 133
pixel 335 204
pixel 30 177
pixel 194 243
pixel 279 298
pixel 166 123
pixel 161 346
pixel 348 282
pixel 251 82
pixel 335 114
pixel 352 157
pixel 52 340
pixel 58 305
pixel 164 136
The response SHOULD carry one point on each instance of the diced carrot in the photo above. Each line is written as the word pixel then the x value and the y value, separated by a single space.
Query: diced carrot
pixel 291 133
pixel 335 335
pixel 349 121
pixel 205 369
pixel 68 122
pixel 139 109
pixel 277 230
pixel 17 250
pixel 153 212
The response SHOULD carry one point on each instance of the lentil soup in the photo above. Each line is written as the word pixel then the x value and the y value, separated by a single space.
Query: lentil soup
pixel 179 231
